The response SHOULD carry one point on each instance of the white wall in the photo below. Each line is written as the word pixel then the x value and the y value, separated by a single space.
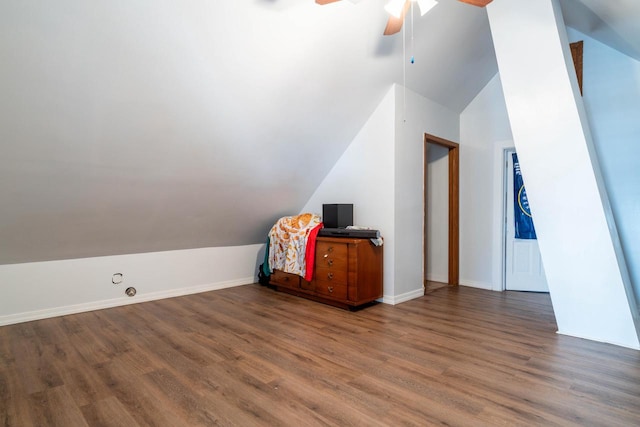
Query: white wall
pixel 381 173
pixel 45 289
pixel 578 242
pixel 415 115
pixel 611 98
pixel 611 87
pixel 437 213
pixel 364 176
pixel 484 132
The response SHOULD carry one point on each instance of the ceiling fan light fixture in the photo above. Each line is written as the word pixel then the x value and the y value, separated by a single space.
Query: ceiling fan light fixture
pixel 426 5
pixel 394 7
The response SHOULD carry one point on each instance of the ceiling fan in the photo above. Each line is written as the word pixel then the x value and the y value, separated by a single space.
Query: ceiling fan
pixel 399 8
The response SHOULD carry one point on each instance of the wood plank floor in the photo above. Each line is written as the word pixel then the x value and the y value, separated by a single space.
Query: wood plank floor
pixel 251 356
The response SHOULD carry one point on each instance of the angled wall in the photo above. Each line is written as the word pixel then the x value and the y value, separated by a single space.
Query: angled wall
pixel 611 88
pixel 131 128
pixel 587 276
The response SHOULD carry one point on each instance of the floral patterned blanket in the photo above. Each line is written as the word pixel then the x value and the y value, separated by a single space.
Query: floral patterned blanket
pixel 292 242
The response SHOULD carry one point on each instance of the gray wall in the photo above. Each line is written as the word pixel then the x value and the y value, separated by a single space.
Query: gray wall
pixel 129 127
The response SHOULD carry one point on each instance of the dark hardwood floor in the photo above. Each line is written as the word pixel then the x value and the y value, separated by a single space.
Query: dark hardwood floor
pixel 250 356
pixel 431 286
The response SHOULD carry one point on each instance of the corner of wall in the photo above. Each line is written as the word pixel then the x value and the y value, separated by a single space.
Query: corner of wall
pixel 367 165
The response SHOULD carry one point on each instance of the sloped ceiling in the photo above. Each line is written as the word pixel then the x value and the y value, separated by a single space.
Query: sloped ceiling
pixel 147 125
pixel 614 23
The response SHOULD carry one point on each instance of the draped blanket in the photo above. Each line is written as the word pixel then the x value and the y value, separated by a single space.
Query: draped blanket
pixel 292 242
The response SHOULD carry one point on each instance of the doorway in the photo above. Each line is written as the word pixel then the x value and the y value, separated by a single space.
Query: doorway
pixel 453 190
pixel 523 268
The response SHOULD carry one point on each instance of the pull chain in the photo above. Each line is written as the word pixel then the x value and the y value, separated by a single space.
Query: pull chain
pixel 412 44
pixel 404 74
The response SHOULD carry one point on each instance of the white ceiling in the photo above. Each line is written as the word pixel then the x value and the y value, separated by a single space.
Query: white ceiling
pixel 162 124
pixel 613 22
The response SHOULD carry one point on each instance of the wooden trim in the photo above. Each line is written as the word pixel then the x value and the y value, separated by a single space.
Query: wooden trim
pixel 454 206
pixel 454 216
pixel 479 3
pixel 425 182
pixel 576 54
pixel 440 141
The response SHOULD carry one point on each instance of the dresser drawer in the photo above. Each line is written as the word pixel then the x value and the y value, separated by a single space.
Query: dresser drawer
pixel 333 255
pixel 307 286
pixel 332 275
pixel 331 289
pixel 287 280
pixel 347 273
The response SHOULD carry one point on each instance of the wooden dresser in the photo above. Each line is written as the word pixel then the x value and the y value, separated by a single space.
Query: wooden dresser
pixel 348 273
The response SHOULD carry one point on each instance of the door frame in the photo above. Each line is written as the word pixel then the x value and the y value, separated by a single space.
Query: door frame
pixel 506 151
pixel 454 207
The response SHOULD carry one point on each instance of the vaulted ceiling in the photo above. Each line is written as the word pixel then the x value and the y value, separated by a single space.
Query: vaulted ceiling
pixel 154 125
pixel 614 23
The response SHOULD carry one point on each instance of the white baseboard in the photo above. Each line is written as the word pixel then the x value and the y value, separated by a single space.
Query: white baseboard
pixel 479 285
pixel 407 296
pixel 436 278
pixel 117 302
pixel 598 340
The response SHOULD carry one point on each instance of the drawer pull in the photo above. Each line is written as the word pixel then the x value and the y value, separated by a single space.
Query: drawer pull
pixel 330 276
pixel 330 249
pixel 330 288
pixel 326 255
pixel 330 261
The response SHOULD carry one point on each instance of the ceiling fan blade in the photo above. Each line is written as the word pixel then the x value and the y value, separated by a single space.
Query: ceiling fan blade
pixel 326 1
pixel 395 24
pixel 479 3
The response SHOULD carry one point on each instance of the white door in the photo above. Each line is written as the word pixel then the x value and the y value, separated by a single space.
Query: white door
pixel 523 265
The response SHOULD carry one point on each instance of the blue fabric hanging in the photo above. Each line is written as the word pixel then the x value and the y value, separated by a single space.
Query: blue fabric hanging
pixel 521 209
